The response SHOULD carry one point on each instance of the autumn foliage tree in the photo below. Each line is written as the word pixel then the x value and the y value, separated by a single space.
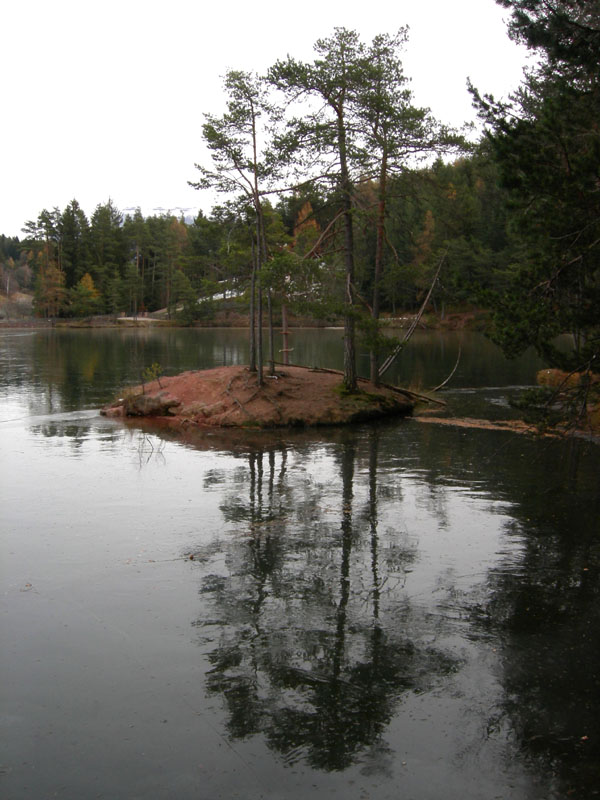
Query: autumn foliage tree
pixel 84 298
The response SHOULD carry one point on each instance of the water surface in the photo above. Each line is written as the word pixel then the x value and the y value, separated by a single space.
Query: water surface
pixel 393 610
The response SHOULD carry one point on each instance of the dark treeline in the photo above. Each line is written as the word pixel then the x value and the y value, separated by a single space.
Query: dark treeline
pixel 113 263
pixel 107 264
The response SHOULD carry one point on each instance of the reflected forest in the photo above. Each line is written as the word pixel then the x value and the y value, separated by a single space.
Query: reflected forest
pixel 315 648
pixel 322 615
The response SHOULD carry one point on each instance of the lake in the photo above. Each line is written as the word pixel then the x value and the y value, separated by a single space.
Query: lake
pixel 396 610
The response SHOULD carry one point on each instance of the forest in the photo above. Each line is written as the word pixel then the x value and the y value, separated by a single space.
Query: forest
pixel 343 200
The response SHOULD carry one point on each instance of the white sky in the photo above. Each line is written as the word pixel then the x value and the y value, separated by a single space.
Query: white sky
pixel 105 98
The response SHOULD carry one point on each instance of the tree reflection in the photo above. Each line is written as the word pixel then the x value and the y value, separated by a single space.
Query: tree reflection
pixel 296 645
pixel 546 613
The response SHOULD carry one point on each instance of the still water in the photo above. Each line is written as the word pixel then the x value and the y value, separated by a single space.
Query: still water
pixel 394 611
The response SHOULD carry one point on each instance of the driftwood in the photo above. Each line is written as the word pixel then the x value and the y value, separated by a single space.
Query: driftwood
pixel 443 383
pixel 394 355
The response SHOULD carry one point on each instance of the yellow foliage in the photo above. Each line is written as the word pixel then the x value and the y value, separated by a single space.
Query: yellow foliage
pixel 305 219
pixel 87 283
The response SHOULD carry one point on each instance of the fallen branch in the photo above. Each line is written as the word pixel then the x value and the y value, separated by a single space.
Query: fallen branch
pixel 321 238
pixel 394 355
pixel 443 383
pixel 513 426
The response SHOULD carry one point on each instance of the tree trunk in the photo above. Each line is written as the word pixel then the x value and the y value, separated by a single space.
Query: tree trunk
pixel 271 343
pixel 252 321
pixel 374 354
pixel 285 335
pixel 262 259
pixel 350 383
pixel 137 273
pixel 259 339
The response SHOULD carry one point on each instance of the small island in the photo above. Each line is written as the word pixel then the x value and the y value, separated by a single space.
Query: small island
pixel 231 397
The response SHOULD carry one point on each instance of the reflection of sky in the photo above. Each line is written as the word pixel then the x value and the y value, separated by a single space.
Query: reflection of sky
pixel 12 409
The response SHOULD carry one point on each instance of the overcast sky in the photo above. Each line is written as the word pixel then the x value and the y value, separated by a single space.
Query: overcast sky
pixel 106 98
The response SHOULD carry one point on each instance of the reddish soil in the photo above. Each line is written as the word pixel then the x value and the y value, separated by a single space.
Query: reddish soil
pixel 231 397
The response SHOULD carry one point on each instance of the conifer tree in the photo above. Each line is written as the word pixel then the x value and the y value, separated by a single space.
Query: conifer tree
pixel 241 167
pixel 74 233
pixel 546 141
pixel 395 136
pixel 326 135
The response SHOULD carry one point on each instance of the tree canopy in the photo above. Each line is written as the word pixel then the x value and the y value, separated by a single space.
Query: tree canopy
pixel 546 143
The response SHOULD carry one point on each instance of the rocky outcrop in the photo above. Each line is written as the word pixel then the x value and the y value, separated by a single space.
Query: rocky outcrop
pixel 143 405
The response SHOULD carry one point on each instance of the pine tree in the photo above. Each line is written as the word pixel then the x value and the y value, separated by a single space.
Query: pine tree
pixel 335 80
pixel 395 135
pixel 242 167
pixel 546 142
pixel 74 236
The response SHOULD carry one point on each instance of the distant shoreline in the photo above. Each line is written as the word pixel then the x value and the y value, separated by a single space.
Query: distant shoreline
pixel 461 320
